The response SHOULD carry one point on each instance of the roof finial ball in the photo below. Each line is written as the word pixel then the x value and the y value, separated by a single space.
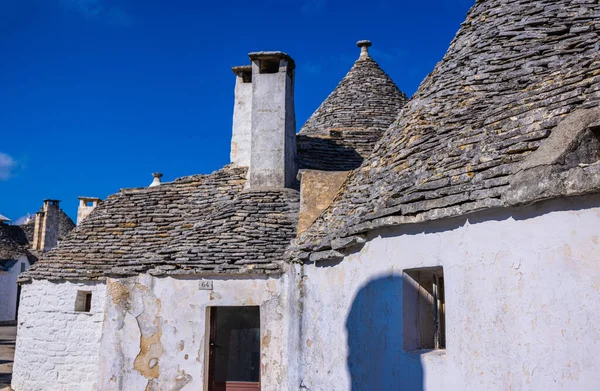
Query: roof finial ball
pixel 364 47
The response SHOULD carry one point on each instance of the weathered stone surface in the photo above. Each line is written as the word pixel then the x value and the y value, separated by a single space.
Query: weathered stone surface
pixel 13 244
pixel 201 224
pixel 343 131
pixel 346 242
pixel 514 71
pixel 329 255
pixel 317 191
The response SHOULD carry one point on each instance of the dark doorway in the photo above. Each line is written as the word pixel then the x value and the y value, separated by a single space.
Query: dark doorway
pixel 234 355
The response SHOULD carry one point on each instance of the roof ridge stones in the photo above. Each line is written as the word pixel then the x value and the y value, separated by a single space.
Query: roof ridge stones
pixel 346 126
pixel 514 71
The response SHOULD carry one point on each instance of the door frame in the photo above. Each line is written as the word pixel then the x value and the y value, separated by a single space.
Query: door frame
pixel 209 357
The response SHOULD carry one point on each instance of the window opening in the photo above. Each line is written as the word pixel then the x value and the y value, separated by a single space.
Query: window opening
pixel 269 65
pixel 424 309
pixel 83 301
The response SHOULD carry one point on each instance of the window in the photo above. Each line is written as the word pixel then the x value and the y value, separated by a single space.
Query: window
pixel 23 267
pixel 424 309
pixel 83 301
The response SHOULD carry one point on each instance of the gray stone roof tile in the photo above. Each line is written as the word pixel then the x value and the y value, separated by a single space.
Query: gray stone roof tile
pixel 200 224
pixel 514 71
pixel 348 124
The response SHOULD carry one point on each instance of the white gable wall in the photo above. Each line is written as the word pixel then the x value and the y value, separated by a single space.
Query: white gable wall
pixel 8 289
pixel 57 347
pixel 522 291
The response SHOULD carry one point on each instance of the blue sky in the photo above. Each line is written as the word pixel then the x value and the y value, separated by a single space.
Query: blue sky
pixel 95 95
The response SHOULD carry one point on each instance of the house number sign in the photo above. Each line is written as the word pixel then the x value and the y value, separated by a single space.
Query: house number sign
pixel 205 285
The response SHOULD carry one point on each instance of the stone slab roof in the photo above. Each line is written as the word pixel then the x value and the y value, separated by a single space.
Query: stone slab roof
pixel 347 125
pixel 65 224
pixel 201 224
pixel 13 245
pixel 517 73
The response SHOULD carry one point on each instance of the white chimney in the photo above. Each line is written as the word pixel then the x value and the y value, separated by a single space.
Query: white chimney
pixel 242 116
pixel 86 205
pixel 156 181
pixel 273 131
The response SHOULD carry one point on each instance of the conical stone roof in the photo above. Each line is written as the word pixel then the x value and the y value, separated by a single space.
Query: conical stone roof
pixel 519 73
pixel 345 128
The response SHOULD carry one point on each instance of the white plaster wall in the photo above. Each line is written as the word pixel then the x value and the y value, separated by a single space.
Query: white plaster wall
pixel 8 289
pixel 522 292
pixel 57 348
pixel 242 123
pixel 155 332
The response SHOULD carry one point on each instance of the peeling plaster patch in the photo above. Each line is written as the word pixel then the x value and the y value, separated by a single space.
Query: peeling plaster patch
pixel 117 292
pixel 146 362
pixel 150 325
pixel 152 386
pixel 266 340
pixel 181 380
pixel 180 345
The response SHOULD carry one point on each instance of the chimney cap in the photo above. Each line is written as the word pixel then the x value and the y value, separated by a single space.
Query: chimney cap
pixel 364 47
pixel 89 198
pixel 239 70
pixel 273 54
pixel 157 174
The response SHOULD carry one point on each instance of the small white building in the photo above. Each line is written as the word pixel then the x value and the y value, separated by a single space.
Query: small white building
pixel 447 242
pixel 9 290
pixel 22 245
pixel 13 260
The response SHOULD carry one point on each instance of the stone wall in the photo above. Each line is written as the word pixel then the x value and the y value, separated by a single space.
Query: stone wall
pixel 521 287
pixel 8 289
pixel 57 347
pixel 156 333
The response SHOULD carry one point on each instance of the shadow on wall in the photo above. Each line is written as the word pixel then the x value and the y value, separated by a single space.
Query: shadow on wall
pixel 376 360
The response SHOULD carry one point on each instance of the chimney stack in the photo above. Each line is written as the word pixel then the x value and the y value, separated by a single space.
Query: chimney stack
pixel 45 232
pixel 242 116
pixel 86 205
pixel 273 121
pixel 156 181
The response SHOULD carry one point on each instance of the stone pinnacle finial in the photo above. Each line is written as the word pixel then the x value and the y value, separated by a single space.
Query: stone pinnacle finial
pixel 364 47
pixel 156 181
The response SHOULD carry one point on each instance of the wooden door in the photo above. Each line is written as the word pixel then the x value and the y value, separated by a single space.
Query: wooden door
pixel 234 354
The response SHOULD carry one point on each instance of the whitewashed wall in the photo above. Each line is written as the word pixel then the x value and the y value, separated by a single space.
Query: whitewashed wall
pixel 57 348
pixel 155 335
pixel 8 290
pixel 522 291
